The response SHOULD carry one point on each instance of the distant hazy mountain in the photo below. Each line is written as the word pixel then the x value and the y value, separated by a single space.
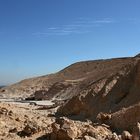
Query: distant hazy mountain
pixel 1 86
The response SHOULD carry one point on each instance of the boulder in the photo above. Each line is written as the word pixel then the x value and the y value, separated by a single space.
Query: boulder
pixel 126 135
pixel 29 130
pixel 136 132
pixel 88 138
pixel 103 117
pixel 63 130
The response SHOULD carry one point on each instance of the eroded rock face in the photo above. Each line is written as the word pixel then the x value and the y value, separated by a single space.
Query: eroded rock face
pixel 118 96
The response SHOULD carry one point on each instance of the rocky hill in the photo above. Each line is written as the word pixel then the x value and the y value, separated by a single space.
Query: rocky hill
pixel 68 81
pixel 102 91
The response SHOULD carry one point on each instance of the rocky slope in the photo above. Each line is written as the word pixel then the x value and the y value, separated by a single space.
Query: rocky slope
pixel 69 81
pixel 104 92
pixel 115 93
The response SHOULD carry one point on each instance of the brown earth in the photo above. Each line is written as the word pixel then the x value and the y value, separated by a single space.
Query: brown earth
pixel 99 96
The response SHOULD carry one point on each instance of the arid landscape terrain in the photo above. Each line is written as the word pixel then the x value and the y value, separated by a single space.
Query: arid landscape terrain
pixel 89 100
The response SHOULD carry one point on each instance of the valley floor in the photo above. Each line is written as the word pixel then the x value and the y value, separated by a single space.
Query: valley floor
pixel 27 121
pixel 16 118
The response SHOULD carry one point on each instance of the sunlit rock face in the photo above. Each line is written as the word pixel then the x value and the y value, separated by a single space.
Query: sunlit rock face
pixel 115 93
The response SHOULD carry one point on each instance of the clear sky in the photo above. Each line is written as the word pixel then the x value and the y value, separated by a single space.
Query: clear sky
pixel 38 37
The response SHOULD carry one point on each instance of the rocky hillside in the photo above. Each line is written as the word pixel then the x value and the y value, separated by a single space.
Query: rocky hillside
pixel 111 96
pixel 103 91
pixel 69 81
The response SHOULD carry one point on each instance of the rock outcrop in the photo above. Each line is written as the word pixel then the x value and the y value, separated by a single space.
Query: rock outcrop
pixel 67 129
pixel 115 93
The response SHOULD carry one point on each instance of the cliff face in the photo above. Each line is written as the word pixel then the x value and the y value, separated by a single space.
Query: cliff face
pixel 116 94
pixel 107 93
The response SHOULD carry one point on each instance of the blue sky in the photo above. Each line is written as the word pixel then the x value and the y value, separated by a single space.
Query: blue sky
pixel 38 37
